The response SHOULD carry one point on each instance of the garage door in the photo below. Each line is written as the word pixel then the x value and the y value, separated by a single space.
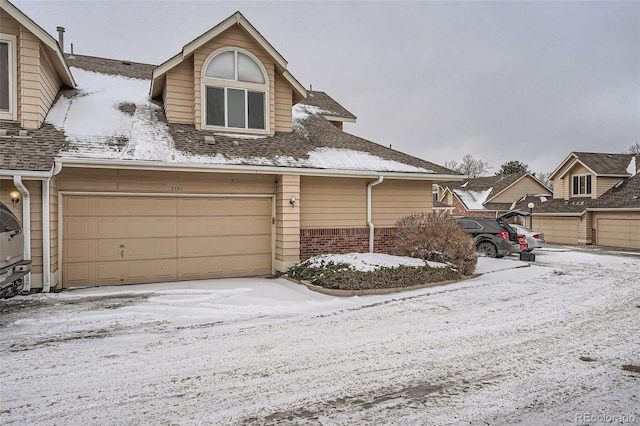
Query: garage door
pixel 618 233
pixel 557 230
pixel 128 239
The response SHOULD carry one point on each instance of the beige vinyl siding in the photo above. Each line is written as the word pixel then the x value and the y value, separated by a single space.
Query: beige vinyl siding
pixel 179 93
pixel 287 244
pixel 114 180
pixel 617 229
pixel 49 85
pixel 560 190
pixel 333 202
pixel 600 185
pixel 393 199
pixel 283 104
pixel 562 230
pixel 233 37
pixel 29 80
pixel 526 185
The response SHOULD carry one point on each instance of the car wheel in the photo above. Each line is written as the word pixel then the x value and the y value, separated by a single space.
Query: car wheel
pixel 487 248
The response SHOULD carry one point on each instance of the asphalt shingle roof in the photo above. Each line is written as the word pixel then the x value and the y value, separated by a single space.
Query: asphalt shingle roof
pixel 183 143
pixel 606 164
pixel 497 183
pixel 34 152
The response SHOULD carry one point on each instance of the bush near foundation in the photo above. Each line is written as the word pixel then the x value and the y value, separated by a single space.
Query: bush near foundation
pixel 341 276
pixel 433 237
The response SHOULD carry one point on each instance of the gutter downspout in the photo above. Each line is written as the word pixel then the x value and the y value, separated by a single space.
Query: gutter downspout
pixel 369 221
pixel 46 229
pixel 26 226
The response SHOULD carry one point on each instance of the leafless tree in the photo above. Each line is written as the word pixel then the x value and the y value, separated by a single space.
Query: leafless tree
pixel 469 166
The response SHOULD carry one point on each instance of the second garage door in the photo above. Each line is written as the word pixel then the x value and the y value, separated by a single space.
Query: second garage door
pixel 130 239
pixel 618 232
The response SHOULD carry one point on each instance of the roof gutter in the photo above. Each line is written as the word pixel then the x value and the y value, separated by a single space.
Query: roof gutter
pixel 369 208
pixel 229 168
pixel 26 226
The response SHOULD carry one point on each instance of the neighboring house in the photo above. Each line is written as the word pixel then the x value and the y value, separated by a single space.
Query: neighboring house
pixel 228 168
pixel 488 196
pixel 596 200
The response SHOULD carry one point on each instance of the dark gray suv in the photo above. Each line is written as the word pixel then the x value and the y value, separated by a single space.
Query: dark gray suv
pixel 13 267
pixel 493 238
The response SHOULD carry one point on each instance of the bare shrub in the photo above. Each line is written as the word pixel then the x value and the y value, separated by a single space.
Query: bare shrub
pixel 436 238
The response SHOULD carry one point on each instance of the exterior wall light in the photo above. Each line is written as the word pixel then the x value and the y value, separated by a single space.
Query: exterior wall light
pixel 15 197
pixel 292 200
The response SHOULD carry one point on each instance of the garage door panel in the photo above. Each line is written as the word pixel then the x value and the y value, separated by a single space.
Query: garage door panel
pixel 558 230
pixel 78 251
pixel 78 274
pixel 224 266
pixel 149 206
pixel 78 227
pixel 107 273
pixel 232 245
pixel 107 227
pixel 153 248
pixel 147 227
pixel 107 206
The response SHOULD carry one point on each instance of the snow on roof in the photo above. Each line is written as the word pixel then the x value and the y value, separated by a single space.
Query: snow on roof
pixel 111 117
pixel 474 200
pixel 632 168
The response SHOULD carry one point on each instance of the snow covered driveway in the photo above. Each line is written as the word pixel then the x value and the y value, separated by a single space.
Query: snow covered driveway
pixel 538 345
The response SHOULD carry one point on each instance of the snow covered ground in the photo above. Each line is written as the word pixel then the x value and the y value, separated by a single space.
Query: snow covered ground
pixel 537 345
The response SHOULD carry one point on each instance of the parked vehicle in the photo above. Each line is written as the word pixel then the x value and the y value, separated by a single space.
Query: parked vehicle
pixel 533 239
pixel 13 267
pixel 493 237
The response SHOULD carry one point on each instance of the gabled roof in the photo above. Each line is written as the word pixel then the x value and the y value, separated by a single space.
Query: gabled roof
pixel 599 163
pixel 47 40
pixel 237 18
pixel 488 186
pixel 132 131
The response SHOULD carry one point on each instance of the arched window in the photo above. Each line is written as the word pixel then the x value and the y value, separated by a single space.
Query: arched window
pixel 236 88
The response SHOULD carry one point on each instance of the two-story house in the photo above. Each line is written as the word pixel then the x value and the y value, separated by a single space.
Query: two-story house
pixel 596 200
pixel 217 162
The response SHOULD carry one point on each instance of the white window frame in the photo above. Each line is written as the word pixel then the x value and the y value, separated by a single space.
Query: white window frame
pixel 12 113
pixel 235 84
pixel 575 192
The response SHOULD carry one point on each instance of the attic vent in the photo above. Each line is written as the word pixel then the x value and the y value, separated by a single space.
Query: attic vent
pixel 635 197
pixel 23 133
pixel 209 140
pixel 126 62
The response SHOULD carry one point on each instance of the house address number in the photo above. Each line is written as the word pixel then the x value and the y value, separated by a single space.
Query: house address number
pixel 176 188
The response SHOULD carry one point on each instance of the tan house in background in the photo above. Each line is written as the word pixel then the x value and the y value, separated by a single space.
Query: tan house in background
pixel 217 162
pixel 596 200
pixel 487 196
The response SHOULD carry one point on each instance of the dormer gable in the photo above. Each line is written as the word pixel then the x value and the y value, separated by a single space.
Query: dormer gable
pixel 590 175
pixel 32 69
pixel 230 79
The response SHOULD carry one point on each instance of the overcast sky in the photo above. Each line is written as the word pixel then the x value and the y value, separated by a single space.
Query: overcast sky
pixel 527 81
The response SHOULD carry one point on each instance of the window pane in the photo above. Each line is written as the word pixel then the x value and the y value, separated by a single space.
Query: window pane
pixel 248 70
pixel 236 108
pixel 256 110
pixel 222 66
pixel 215 106
pixel 5 94
pixel 576 183
pixel 588 179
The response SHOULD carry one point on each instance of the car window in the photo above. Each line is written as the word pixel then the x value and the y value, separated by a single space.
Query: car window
pixel 8 222
pixel 469 224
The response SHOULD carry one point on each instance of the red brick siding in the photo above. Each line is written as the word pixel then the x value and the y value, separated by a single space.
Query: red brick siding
pixel 337 241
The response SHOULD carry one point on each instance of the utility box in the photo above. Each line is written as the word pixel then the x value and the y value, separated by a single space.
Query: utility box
pixel 526 256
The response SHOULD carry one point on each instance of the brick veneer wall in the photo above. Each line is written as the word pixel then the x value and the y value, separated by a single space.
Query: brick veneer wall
pixel 338 241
